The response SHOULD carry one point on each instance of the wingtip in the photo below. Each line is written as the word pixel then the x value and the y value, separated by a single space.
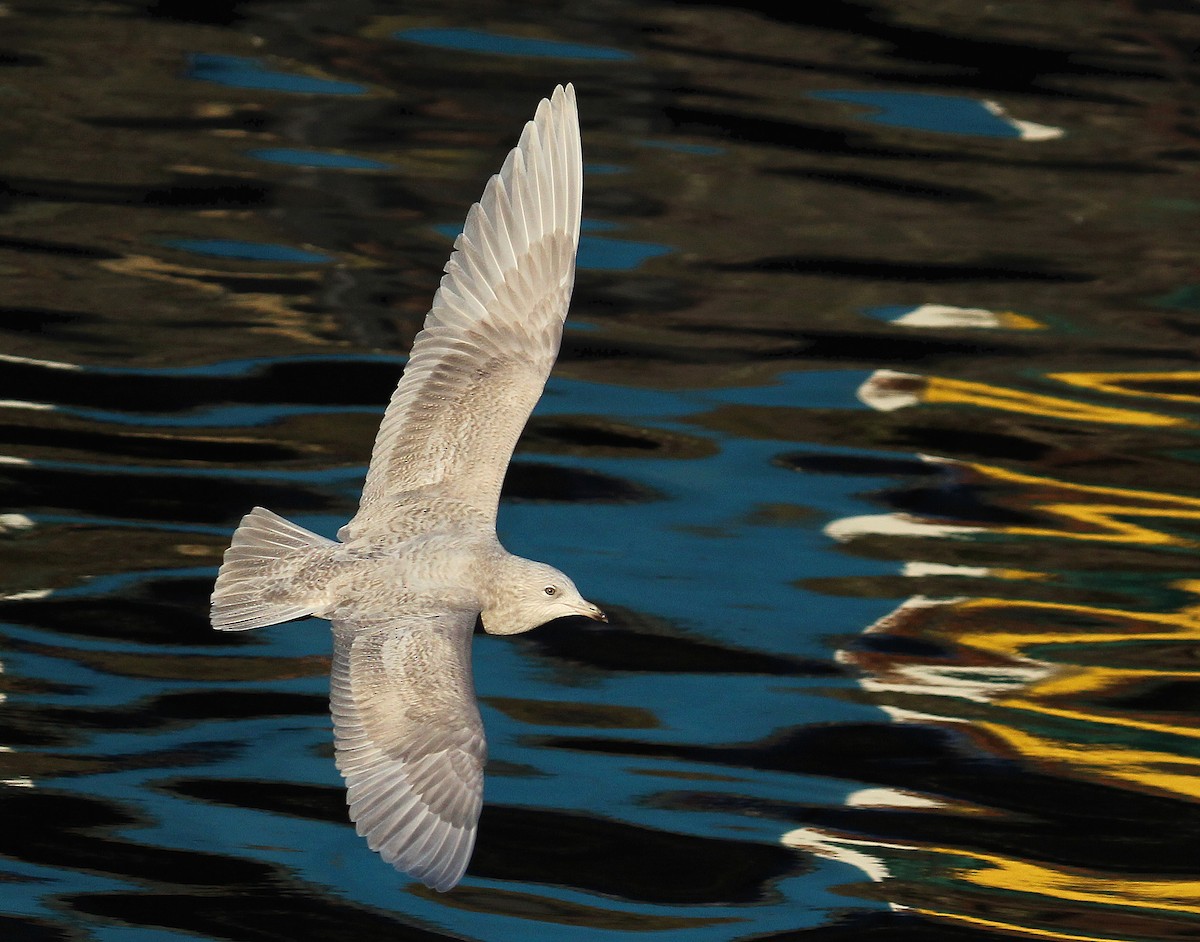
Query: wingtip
pixel 562 97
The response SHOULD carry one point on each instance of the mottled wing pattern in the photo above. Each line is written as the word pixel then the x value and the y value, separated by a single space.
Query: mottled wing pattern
pixel 481 361
pixel 409 740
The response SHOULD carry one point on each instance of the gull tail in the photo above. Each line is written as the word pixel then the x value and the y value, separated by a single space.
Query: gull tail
pixel 258 584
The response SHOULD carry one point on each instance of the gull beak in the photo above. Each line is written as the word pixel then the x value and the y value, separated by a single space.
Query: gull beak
pixel 593 612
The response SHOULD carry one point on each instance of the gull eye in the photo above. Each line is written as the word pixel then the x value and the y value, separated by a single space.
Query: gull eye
pixel 550 590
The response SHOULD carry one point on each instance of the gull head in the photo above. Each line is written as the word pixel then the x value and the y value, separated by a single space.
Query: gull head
pixel 526 594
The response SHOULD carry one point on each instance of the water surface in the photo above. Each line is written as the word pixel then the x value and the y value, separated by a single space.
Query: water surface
pixel 874 429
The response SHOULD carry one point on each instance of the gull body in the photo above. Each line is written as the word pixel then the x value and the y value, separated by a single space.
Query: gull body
pixel 409 575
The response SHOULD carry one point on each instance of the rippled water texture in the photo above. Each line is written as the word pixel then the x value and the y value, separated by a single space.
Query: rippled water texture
pixel 874 430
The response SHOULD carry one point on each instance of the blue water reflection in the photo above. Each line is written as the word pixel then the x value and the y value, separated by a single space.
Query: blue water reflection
pixel 249 251
pixel 245 72
pixel 600 254
pixel 318 159
pixel 943 114
pixel 477 40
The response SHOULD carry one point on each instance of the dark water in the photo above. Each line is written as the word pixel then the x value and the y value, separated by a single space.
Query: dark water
pixel 874 428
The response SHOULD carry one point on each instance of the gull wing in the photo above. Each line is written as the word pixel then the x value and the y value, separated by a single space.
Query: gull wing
pixel 408 739
pixel 480 363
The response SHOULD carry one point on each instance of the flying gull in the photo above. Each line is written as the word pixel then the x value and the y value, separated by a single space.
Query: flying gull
pixel 408 576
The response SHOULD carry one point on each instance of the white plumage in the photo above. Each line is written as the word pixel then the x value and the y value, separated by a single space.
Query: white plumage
pixel 420 560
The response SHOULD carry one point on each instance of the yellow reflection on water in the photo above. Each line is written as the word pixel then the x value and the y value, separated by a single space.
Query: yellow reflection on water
pixel 1088 744
pixel 1071 903
pixel 1020 930
pixel 1169 773
pixel 943 391
pixel 1094 510
pixel 1074 683
pixel 1124 384
pixel 888 390
pixel 275 313
pixel 1067 883
pixel 1183 624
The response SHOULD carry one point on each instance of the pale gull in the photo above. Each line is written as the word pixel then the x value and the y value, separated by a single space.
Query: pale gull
pixel 420 561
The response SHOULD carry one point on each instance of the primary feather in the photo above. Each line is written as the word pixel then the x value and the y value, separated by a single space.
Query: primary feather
pixel 480 362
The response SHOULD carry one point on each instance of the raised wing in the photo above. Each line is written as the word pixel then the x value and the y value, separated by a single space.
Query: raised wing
pixel 409 741
pixel 481 361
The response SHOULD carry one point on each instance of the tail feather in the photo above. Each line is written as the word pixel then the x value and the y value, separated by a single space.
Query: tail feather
pixel 255 586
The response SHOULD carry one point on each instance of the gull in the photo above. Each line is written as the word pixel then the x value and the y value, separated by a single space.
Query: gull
pixel 408 576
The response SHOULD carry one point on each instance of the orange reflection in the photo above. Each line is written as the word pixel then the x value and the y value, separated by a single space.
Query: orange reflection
pixel 1011 320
